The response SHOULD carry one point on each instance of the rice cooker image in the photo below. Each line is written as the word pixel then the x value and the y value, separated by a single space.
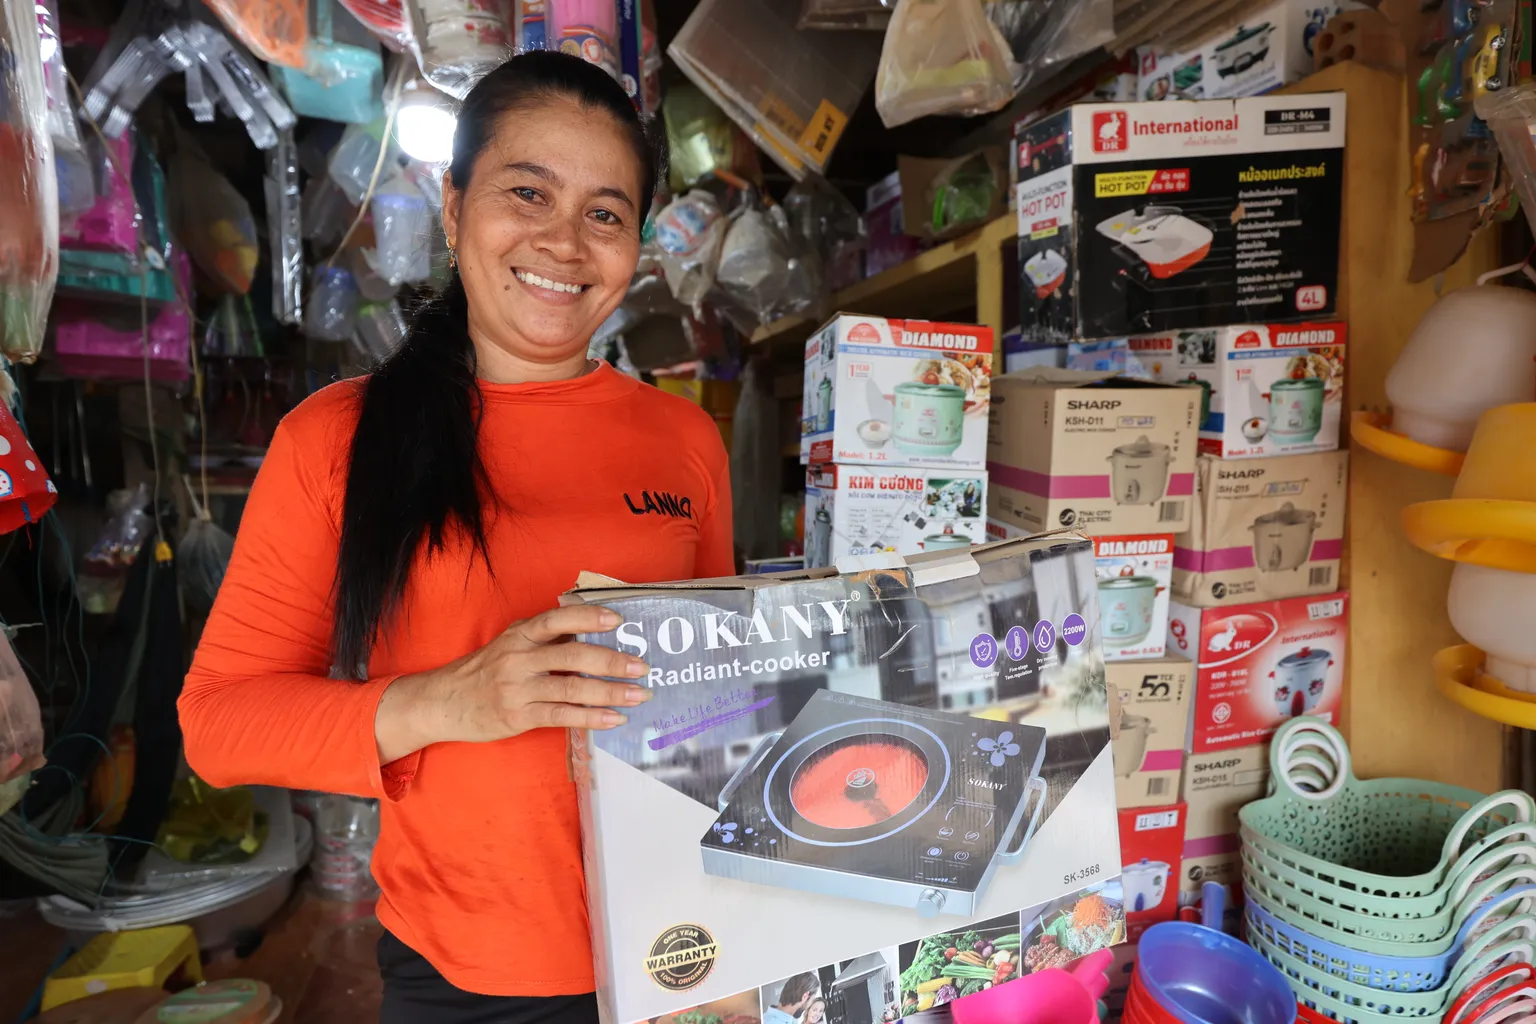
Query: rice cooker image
pixel 929 418
pixel 1145 884
pixel 1138 472
pixel 824 405
pixel 1165 240
pixel 885 803
pixel 1296 410
pixel 946 541
pixel 1300 679
pixel 1125 609
pixel 1244 50
pixel 1129 747
pixel 1046 270
pixel 820 547
pixel 1282 539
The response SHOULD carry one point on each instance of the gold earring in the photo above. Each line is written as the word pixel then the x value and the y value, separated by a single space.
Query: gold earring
pixel 453 256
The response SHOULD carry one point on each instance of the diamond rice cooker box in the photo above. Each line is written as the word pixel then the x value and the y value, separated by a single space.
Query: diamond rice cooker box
pixel 863 510
pixel 1149 724
pixel 1262 529
pixel 1151 847
pixel 1260 665
pixel 804 788
pixel 1179 214
pixel 1135 575
pixel 1084 450
pixel 897 392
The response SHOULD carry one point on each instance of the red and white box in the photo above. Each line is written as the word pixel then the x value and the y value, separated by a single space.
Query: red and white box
pixel 882 392
pixel 1151 844
pixel 1260 665
pixel 1135 576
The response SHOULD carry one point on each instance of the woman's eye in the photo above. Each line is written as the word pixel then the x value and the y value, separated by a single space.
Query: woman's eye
pixel 527 194
pixel 605 216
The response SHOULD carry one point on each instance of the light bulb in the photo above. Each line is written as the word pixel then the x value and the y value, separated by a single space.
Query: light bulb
pixel 424 125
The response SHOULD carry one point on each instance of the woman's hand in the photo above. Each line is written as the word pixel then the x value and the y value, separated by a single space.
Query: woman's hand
pixel 530 677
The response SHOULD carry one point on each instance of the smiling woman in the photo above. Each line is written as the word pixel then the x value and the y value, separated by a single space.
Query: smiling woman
pixel 385 626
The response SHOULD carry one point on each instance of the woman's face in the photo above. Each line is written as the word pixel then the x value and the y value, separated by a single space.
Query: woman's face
pixel 816 1012
pixel 547 232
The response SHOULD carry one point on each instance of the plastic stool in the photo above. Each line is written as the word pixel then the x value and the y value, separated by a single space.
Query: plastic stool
pixel 135 959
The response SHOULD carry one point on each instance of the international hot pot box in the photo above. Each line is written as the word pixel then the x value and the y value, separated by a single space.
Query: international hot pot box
pixel 863 510
pixel 1257 666
pixel 837 765
pixel 896 392
pixel 1151 850
pixel 1262 529
pixel 1141 217
pixel 1149 724
pixel 1090 451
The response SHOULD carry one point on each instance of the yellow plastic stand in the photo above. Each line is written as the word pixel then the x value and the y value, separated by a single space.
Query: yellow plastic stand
pixel 136 959
pixel 1459 675
pixel 1373 432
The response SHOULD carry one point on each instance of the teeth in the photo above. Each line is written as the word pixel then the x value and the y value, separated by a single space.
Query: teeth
pixel 544 282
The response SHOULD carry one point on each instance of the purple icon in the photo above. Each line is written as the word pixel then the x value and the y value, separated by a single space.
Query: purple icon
pixel 1073 629
pixel 1016 643
pixel 983 650
pixel 1045 635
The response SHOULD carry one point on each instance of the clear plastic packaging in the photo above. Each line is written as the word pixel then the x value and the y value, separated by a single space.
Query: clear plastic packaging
pixel 324 212
pixel 353 160
pixel 214 222
pixel 277 31
pixel 346 829
pixel 232 331
pixel 86 345
pixel 21 723
pixel 845 14
pixel 370 286
pixel 702 140
pixel 755 263
pixel 385 19
pixel 1510 114
pixel 529 17
pixel 29 190
pixel 343 79
pixel 331 314
pixel 203 556
pixel 380 330
pixel 460 40
pixel 120 540
pixel 832 235
pixel 61 111
pixel 689 234
pixel 588 29
pixel 942 57
pixel 285 235
pixel 1045 34
pixel 402 228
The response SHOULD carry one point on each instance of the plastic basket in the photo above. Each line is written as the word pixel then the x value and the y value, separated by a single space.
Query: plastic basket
pixel 1512 982
pixel 1388 837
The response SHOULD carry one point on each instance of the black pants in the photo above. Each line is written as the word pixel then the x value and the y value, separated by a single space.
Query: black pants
pixel 414 993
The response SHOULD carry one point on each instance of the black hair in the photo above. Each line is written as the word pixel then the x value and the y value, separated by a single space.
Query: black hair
pixel 415 470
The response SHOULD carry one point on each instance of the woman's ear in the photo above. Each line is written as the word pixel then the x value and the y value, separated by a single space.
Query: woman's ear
pixel 452 199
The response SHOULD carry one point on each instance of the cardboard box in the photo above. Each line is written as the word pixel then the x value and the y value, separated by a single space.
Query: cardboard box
pixel 1169 76
pixel 1260 665
pixel 925 190
pixel 865 510
pixel 1083 450
pixel 728 838
pixel 1216 786
pixel 897 393
pixel 1262 529
pixel 1135 577
pixel 1149 703
pixel 1269 48
pixel 1151 847
pixel 1270 389
pixel 889 245
pixel 1143 217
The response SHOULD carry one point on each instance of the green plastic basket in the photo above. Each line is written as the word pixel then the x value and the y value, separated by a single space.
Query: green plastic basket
pixel 1384 837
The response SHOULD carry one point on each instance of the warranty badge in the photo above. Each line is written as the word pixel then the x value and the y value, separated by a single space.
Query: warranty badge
pixel 682 957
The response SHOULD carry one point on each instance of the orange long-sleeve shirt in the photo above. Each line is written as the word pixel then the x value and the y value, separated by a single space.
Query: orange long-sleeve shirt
pixel 479 852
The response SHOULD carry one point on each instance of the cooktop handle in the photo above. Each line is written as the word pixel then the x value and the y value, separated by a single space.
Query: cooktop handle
pixel 1037 790
pixel 747 767
pixel 1160 210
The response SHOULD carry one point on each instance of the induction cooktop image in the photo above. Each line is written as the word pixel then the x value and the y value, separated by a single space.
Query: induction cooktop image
pixel 880 802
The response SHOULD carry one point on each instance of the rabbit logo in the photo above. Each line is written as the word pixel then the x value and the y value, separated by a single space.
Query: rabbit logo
pixel 1223 641
pixel 1109 135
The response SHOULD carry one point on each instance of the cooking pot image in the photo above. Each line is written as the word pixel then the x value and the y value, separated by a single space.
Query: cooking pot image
pixel 1164 239
pixel 1300 679
pixel 1295 410
pixel 1282 539
pixel 1138 472
pixel 1145 884
pixel 1125 609
pixel 945 541
pixel 1244 50
pixel 1129 746
pixel 1045 270
pixel 929 418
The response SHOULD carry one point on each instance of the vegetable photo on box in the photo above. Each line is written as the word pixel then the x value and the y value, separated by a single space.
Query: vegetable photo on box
pixel 950 965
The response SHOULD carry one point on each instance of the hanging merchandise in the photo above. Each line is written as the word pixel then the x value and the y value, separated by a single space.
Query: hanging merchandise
pixel 588 29
pixel 460 40
pixel 331 314
pixel 91 343
pixel 325 212
pixel 1044 35
pixel 214 221
pixel 702 140
pixel 689 234
pixel 833 235
pixel 380 330
pixel 205 552
pixel 942 57
pixel 401 229
pixel 530 17
pixel 343 77
pixel 355 161
pixel 385 19
pixel 1510 114
pixel 370 286
pixel 61 112
pixel 29 197
pixel 277 31
pixel 231 331
pixel 121 248
pixel 21 727
pixel 120 541
pixel 754 263
pixel 847 14
pixel 285 235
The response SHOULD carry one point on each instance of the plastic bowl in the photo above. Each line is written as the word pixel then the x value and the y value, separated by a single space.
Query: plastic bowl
pixel 1203 976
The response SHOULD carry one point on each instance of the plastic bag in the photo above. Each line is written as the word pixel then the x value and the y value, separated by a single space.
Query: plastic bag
pixel 845 14
pixel 380 330
pixel 1511 115
pixel 119 542
pixel 61 112
pixel 29 190
pixel 460 40
pixel 353 160
pixel 832 235
pixel 21 722
pixel 203 555
pixel 332 311
pixel 277 31
pixel 214 221
pixel 942 57
pixel 402 228
pixel 689 234
pixel 702 140
pixel 343 78
pixel 285 235
pixel 754 263
pixel 588 29
pixel 1045 34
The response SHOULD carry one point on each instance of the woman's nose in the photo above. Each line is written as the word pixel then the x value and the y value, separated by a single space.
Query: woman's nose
pixel 561 236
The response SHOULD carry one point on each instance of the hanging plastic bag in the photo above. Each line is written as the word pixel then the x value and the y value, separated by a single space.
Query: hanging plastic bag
pixel 941 57
pixel 460 40
pixel 214 221
pixel 232 330
pixel 29 189
pixel 332 311
pixel 689 233
pixel 61 112
pixel 121 539
pixel 588 29
pixel 380 330
pixel 285 235
pixel 354 159
pixel 21 721
pixel 754 263
pixel 343 78
pixel 386 20
pixel 277 31
pixel 203 555
pixel 401 228
pixel 1045 34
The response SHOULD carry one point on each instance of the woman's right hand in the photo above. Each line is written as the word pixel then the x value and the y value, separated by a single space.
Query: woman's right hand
pixel 531 676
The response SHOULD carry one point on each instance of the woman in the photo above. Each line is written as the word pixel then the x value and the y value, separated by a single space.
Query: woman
pixel 385 626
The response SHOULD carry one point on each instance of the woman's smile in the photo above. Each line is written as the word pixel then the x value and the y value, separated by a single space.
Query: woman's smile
pixel 548 288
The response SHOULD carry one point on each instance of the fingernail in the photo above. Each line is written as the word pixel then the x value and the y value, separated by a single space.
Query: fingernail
pixel 613 718
pixel 637 695
pixel 637 668
pixel 611 618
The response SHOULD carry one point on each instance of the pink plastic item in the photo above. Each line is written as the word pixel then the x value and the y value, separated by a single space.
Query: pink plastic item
pixel 584 28
pixel 110 223
pixel 86 347
pixel 1052 996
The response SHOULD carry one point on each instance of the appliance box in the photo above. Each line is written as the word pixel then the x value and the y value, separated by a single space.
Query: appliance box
pixel 1260 665
pixel 1216 786
pixel 1269 48
pixel 1179 214
pixel 795 795
pixel 865 510
pixel 1169 76
pixel 1262 529
pixel 1268 389
pixel 1149 709
pixel 1151 845
pixel 897 393
pixel 1091 452
pixel 1135 576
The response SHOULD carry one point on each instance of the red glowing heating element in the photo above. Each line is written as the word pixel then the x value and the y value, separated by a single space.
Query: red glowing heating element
pixel 857 783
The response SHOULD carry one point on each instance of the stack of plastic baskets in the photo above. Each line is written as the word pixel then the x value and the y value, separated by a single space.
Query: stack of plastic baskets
pixel 1389 898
